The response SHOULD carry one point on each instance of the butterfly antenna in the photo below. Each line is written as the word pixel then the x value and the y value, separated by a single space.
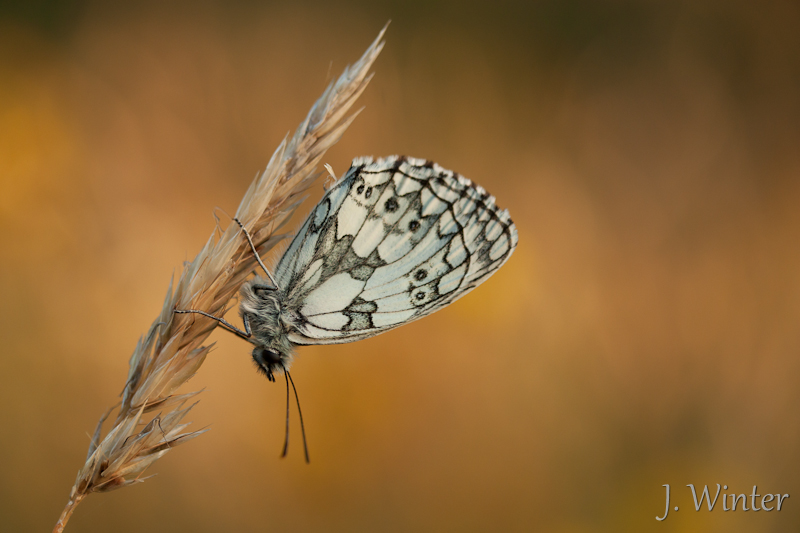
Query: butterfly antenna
pixel 255 252
pixel 286 439
pixel 302 427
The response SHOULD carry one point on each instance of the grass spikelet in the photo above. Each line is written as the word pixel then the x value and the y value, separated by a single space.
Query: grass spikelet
pixel 149 422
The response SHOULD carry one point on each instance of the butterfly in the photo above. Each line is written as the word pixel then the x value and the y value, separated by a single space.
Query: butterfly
pixel 391 241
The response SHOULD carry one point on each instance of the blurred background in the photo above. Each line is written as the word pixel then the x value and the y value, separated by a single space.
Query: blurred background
pixel 645 332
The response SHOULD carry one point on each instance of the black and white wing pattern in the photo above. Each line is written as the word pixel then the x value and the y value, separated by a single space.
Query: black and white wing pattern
pixel 392 241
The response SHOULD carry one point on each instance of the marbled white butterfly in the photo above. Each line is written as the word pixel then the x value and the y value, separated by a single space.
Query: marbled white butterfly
pixel 392 241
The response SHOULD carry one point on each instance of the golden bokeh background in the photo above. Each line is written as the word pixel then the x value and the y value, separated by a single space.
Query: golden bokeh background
pixel 645 332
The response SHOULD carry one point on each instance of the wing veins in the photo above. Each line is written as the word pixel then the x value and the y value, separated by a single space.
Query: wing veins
pixel 470 202
pixel 372 209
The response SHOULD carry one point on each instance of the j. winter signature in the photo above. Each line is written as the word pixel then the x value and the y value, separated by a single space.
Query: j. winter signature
pixel 730 501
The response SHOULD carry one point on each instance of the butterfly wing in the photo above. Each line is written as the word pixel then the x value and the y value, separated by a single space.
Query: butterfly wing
pixel 392 241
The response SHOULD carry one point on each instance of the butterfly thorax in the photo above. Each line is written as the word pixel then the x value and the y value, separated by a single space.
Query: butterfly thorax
pixel 263 309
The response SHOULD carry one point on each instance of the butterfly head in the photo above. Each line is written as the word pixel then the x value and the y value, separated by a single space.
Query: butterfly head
pixel 269 361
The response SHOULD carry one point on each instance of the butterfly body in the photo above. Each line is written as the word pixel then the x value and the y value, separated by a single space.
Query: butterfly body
pixel 391 241
pixel 264 312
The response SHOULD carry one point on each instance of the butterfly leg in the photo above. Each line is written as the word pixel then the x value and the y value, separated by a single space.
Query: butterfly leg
pixel 246 334
pixel 255 252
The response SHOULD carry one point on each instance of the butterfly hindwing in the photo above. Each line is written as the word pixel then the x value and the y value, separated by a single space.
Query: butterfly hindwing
pixel 392 241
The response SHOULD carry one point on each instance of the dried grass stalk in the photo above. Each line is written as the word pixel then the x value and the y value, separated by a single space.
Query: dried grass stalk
pixel 151 414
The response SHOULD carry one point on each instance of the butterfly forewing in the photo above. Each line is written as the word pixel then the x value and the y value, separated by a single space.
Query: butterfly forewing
pixel 392 241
